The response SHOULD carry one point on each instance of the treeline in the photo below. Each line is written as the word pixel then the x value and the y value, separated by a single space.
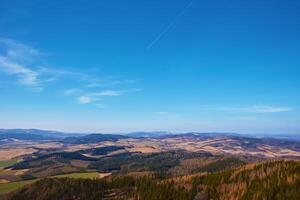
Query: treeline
pixel 101 150
pixel 145 188
pixel 48 159
pixel 278 180
pixel 129 162
pixel 273 180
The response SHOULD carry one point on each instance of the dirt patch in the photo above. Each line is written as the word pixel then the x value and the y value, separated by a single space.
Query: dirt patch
pixel 4 181
pixel 103 175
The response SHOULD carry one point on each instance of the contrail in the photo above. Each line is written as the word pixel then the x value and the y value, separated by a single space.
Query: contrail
pixel 167 28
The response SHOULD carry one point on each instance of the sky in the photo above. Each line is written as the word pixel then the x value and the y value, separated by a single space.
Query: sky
pixel 117 66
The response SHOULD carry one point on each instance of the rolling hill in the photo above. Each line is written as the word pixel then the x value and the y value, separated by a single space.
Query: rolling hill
pixel 93 138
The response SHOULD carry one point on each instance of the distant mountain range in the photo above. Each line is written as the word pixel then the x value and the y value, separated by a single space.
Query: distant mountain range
pixel 93 138
pixel 148 134
pixel 34 134
pixel 78 138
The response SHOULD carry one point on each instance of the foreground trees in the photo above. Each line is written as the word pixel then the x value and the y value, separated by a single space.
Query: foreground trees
pixel 272 180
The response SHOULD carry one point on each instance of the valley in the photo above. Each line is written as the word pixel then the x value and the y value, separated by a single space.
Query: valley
pixel 104 156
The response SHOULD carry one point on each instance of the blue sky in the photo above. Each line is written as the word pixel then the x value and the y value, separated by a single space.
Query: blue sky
pixel 180 65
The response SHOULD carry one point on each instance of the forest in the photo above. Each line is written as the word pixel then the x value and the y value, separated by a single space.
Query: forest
pixel 274 180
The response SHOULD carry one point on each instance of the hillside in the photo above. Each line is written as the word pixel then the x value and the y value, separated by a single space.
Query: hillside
pixel 279 180
pixel 170 163
pixel 19 145
pixel 93 138
pixel 188 166
pixel 272 180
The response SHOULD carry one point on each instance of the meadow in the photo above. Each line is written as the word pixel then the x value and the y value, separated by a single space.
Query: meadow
pixel 8 187
pixel 6 163
pixel 11 186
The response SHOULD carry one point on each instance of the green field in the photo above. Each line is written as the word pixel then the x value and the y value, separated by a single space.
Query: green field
pixel 8 187
pixel 79 175
pixel 6 163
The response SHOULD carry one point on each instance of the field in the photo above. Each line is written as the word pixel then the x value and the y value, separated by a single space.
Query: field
pixel 6 163
pixel 8 187
pixel 90 175
pixel 10 153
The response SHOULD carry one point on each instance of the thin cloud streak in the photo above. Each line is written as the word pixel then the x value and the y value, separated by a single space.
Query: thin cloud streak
pixel 169 26
pixel 257 109
pixel 113 93
pixel 96 96
pixel 108 93
pixel 109 83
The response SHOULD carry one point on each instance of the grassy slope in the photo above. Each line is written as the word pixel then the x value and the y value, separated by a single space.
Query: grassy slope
pixel 8 187
pixel 6 163
pixel 79 175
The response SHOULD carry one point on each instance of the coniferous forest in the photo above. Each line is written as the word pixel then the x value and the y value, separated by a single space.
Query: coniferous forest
pixel 275 180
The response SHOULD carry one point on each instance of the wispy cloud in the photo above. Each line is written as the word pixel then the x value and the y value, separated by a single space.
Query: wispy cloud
pixel 108 93
pixel 95 97
pixel 24 64
pixel 109 82
pixel 20 60
pixel 84 99
pixel 257 109
pixel 72 91
pixel 270 109
pixel 18 51
pixel 112 93
pixel 25 75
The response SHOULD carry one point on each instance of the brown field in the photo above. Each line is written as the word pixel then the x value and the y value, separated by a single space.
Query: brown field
pixel 144 149
pixel 216 146
pixel 8 154
pixel 4 181
pixel 49 145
